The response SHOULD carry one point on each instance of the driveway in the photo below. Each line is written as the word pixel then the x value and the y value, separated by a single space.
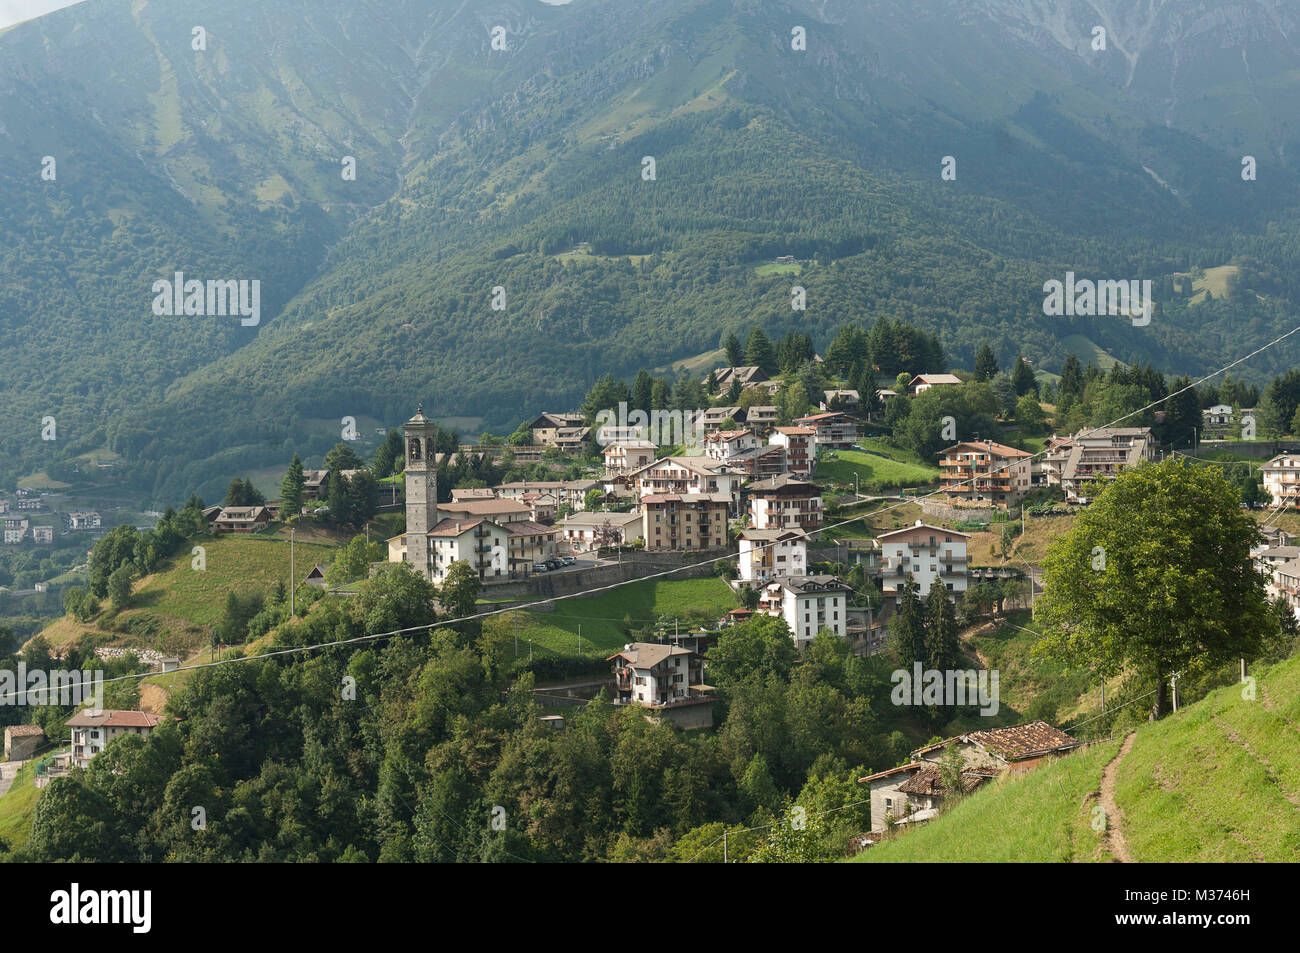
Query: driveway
pixel 8 771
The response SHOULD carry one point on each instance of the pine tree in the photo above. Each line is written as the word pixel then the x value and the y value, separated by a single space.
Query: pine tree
pixel 291 489
pixel 735 354
pixel 907 629
pixel 760 353
pixel 986 364
pixel 942 647
pixel 1022 378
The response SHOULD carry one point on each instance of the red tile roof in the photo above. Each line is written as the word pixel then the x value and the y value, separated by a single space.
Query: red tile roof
pixel 113 718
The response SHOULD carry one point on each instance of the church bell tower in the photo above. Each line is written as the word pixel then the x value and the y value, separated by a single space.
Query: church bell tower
pixel 421 490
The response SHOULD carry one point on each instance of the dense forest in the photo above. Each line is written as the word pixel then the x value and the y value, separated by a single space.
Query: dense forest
pixel 528 177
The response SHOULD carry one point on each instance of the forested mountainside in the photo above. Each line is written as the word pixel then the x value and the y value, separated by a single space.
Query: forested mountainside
pixel 523 169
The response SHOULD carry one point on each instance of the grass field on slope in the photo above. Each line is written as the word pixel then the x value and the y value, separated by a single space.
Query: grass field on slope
pixel 17 808
pixel 602 616
pixel 234 564
pixel 1042 816
pixel 874 470
pixel 1220 780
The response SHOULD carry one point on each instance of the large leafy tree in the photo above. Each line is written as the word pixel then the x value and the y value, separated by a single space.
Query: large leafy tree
pixel 1156 576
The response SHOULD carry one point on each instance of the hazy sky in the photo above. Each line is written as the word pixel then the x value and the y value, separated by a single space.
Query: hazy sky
pixel 16 11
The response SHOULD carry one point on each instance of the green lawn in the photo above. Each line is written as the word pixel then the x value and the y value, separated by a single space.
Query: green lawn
pixel 1220 780
pixel 601 616
pixel 234 564
pixel 1041 817
pixel 886 468
pixel 17 808
pixel 779 268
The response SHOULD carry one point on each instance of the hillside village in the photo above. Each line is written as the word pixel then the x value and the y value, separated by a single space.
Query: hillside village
pixel 746 495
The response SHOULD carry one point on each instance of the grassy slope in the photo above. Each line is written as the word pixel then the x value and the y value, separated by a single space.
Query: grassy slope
pixel 1219 781
pixel 1043 816
pixel 1022 679
pixel 601 616
pixel 175 604
pixel 885 466
pixel 17 808
pixel 234 564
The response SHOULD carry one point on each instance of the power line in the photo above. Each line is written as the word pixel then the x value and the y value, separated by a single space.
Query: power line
pixel 669 572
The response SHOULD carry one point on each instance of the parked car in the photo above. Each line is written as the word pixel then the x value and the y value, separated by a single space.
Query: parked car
pixel 567 560
pixel 540 567
pixel 553 563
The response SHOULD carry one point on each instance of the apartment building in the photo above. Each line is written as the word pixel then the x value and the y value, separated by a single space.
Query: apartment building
pixel 786 502
pixel 1077 463
pixel 93 728
pixel 482 543
pixel 834 428
pixel 984 474
pixel 800 445
pixel 583 531
pixel 927 555
pixel 725 445
pixel 808 604
pixel 768 553
pixel 688 475
pixel 684 521
pixel 628 455
pixel 1282 479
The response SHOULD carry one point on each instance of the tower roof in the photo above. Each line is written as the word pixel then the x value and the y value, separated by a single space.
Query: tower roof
pixel 419 419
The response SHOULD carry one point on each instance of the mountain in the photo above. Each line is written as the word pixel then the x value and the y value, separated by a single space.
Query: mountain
pixel 482 168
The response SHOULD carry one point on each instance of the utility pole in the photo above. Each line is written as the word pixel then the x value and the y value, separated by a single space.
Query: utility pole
pixel 1173 684
pixel 724 846
pixel 579 638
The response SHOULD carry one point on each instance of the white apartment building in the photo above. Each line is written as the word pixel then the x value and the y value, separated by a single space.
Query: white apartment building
pixel 725 445
pixel 808 604
pixel 800 444
pixel 627 455
pixel 688 475
pixel 927 555
pixel 585 530
pixel 483 544
pixel 768 553
pixel 1078 462
pixel 1282 479
pixel 93 728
